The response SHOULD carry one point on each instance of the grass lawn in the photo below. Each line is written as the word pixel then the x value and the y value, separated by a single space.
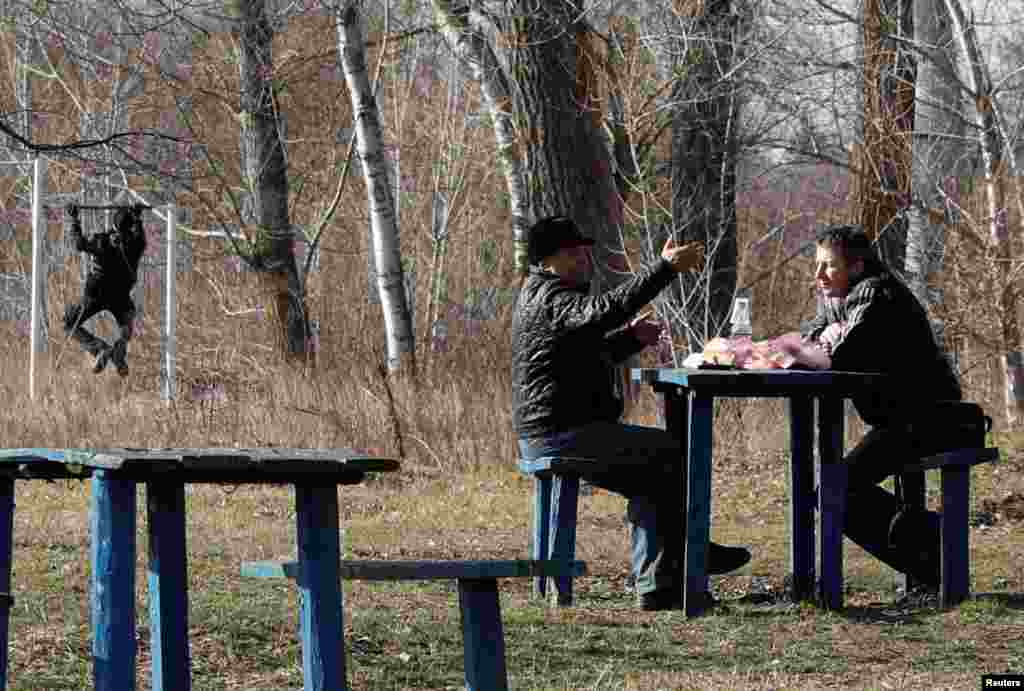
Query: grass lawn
pixel 407 635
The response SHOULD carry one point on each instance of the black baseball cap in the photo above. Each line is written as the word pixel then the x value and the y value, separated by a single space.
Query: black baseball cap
pixel 551 234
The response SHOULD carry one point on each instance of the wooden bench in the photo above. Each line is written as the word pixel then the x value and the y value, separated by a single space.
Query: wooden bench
pixel 955 468
pixel 483 637
pixel 556 489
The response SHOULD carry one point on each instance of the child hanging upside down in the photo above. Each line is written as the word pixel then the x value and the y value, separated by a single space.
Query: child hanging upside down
pixel 114 264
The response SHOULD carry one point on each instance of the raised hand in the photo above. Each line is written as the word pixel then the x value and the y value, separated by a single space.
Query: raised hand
pixel 685 258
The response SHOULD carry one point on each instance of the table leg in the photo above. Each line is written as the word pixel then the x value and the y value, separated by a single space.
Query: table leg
pixel 168 585
pixel 6 557
pixel 801 497
pixel 113 582
pixel 698 495
pixel 831 501
pixel 676 407
pixel 321 617
pixel 483 639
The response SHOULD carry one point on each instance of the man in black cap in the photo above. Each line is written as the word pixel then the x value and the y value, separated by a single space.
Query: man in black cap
pixel 114 257
pixel 565 345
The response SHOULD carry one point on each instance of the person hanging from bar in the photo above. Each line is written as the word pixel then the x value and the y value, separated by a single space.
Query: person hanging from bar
pixel 114 257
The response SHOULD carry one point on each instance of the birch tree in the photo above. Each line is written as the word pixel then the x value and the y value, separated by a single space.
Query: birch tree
pixel 940 158
pixel 399 333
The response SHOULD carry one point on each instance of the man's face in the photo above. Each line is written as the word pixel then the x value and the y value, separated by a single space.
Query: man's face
pixel 833 273
pixel 572 264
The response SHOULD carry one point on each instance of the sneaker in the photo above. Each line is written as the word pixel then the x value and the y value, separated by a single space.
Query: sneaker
pixel 101 361
pixel 919 596
pixel 723 559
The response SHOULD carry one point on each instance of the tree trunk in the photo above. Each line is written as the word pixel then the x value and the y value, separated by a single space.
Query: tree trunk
pixel 369 138
pixel 472 49
pixel 266 170
pixel 885 167
pixel 993 145
pixel 558 117
pixel 939 161
pixel 704 120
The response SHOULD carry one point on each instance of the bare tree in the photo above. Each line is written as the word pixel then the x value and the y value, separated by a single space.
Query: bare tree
pixel 990 129
pixel 266 173
pixel 940 158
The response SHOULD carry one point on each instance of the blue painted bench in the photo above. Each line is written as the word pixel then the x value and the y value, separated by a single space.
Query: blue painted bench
pixel 483 637
pixel 955 468
pixel 556 489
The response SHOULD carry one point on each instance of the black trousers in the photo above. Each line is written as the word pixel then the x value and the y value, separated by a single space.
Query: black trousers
pixel 98 298
pixel 907 541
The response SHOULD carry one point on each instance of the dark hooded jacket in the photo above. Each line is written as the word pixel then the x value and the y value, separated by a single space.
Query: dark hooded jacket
pixel 887 331
pixel 565 346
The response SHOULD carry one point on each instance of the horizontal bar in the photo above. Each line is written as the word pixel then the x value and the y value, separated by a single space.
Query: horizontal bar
pixel 379 570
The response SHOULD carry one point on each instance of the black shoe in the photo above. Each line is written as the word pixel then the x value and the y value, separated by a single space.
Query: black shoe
pixel 723 559
pixel 101 361
pixel 120 352
pixel 660 600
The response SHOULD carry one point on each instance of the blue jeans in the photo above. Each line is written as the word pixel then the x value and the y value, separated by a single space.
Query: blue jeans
pixel 646 466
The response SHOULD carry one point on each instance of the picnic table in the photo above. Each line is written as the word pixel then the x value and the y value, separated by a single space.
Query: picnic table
pixel 114 473
pixel 815 401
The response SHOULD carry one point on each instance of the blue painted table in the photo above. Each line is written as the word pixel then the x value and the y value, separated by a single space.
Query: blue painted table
pixel 689 395
pixel 114 473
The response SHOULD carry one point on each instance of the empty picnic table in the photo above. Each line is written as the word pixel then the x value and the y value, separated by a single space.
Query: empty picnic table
pixel 315 475
pixel 689 396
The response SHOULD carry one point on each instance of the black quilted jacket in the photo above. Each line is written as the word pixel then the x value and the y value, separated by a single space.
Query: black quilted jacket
pixel 564 347
pixel 887 331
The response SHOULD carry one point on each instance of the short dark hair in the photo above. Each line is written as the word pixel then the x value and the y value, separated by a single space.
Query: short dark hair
pixel 852 242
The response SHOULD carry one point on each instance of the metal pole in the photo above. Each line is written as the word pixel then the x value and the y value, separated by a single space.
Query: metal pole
pixel 38 345
pixel 170 308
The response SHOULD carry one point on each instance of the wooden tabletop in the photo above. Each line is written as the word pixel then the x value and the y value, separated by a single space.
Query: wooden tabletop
pixel 226 465
pixel 767 383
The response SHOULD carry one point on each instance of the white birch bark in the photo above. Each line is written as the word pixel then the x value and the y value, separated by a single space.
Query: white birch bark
pixel 472 48
pixel 979 82
pixel 938 155
pixel 384 227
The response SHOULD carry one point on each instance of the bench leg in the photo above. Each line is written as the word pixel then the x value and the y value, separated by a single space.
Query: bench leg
pixel 914 498
pixel 6 557
pixel 113 582
pixel 565 490
pixel 541 528
pixel 168 585
pixel 483 638
pixel 321 615
pixel 832 484
pixel 956 489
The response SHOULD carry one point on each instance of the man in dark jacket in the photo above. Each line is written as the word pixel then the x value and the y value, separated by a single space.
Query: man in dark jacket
pixel 869 321
pixel 114 257
pixel 565 345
